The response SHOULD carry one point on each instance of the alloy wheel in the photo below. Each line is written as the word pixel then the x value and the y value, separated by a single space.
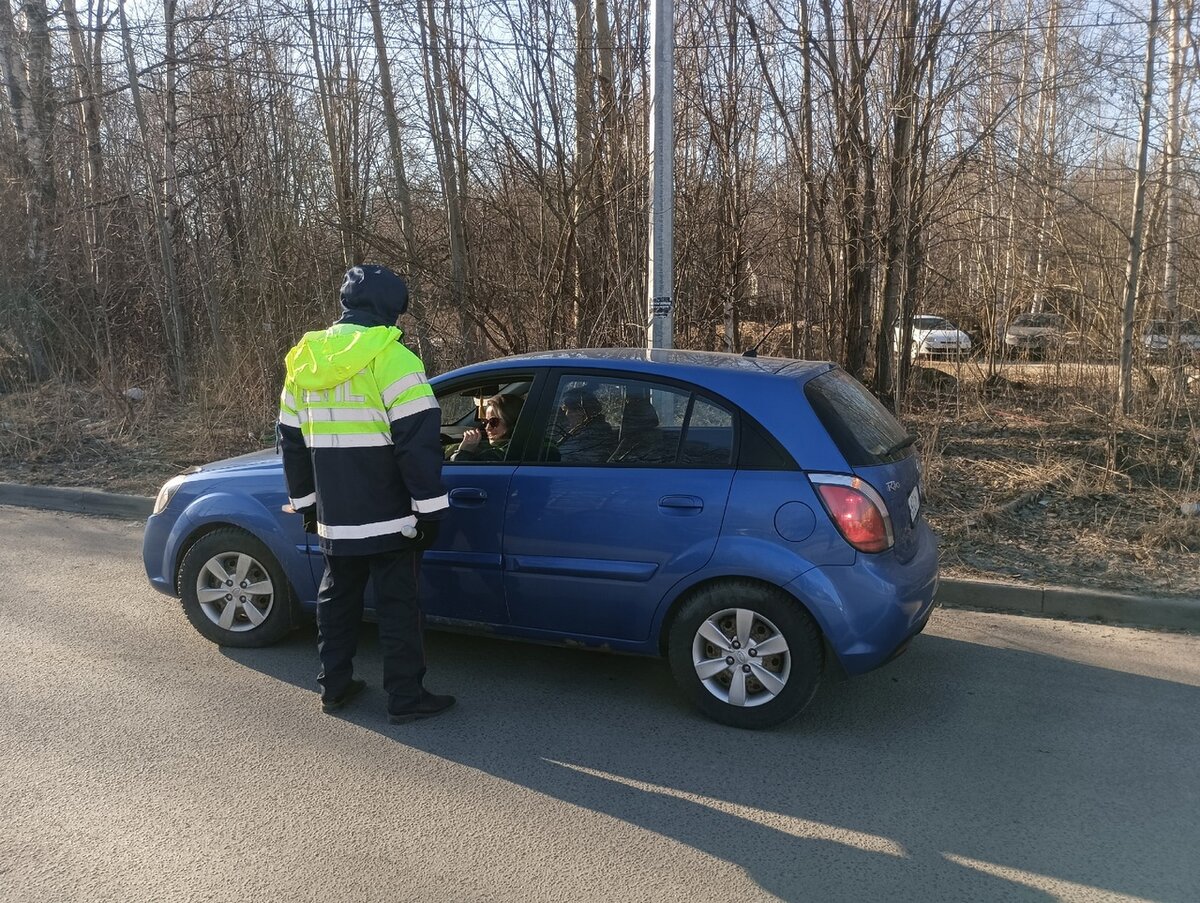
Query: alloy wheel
pixel 235 591
pixel 741 657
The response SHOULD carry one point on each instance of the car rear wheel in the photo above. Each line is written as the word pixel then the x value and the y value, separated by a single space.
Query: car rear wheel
pixel 746 655
pixel 234 591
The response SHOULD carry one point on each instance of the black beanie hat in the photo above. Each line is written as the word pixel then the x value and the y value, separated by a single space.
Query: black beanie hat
pixel 372 295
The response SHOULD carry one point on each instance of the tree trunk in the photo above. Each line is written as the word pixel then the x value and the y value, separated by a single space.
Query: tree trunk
pixel 87 84
pixel 1173 187
pixel 1047 128
pixel 399 172
pixel 341 188
pixel 447 157
pixel 167 289
pixel 1133 261
pixel 893 335
pixel 31 105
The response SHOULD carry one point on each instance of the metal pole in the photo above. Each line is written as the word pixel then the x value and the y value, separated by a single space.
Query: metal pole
pixel 662 175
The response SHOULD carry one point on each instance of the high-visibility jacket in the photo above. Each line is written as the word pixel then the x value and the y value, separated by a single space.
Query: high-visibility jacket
pixel 359 429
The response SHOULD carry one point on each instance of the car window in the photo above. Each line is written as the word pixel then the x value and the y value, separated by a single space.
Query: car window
pixel 864 430
pixel 708 439
pixel 480 419
pixel 616 421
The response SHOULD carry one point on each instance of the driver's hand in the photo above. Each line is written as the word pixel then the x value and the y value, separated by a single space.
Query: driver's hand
pixel 471 439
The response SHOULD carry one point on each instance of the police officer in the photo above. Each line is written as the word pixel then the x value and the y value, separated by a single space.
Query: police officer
pixel 360 433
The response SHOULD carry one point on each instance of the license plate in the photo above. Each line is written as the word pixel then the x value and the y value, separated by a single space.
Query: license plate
pixel 914 503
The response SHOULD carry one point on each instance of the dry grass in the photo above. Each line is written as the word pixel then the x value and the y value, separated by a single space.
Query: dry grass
pixel 71 435
pixel 1029 475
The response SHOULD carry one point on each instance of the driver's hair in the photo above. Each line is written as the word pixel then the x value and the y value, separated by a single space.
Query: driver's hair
pixel 507 407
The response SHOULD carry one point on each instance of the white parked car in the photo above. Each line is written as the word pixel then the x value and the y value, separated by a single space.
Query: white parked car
pixel 934 335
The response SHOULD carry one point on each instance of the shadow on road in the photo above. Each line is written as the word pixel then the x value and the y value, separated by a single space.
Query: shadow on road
pixel 961 771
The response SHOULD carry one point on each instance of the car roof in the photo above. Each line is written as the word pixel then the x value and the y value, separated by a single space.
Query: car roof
pixel 658 361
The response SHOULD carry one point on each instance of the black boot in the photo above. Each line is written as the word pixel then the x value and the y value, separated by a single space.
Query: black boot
pixel 430 705
pixel 333 703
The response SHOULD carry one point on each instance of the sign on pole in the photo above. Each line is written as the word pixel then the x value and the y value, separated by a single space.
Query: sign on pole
pixel 662 175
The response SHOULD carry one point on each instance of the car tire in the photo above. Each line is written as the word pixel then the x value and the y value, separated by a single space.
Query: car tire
pixel 772 688
pixel 253 608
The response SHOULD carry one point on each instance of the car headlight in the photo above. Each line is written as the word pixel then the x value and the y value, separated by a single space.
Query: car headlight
pixel 169 489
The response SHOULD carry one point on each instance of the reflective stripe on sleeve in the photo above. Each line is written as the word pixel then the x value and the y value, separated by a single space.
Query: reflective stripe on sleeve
pixel 408 408
pixel 343 415
pixel 400 386
pixel 428 506
pixel 366 531
pixel 304 502
pixel 287 400
pixel 289 418
pixel 346 440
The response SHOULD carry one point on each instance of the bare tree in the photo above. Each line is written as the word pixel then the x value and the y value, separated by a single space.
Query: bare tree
pixel 1133 261
pixel 31 106
pixel 172 312
pixel 1178 29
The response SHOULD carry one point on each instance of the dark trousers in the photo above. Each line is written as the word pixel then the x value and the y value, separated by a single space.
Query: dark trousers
pixel 393 577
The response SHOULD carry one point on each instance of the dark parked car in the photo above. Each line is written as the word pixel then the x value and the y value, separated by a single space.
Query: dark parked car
pixel 755 520
pixel 1035 335
pixel 1156 338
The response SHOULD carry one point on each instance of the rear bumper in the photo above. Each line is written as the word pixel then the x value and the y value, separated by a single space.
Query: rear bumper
pixel 869 611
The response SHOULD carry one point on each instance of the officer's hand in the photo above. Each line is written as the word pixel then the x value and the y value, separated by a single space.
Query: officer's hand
pixel 427 534
pixel 310 518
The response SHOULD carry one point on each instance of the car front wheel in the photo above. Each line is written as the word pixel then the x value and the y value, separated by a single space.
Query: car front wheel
pixel 234 591
pixel 746 655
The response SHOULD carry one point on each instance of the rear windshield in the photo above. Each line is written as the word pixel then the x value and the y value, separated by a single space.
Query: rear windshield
pixel 864 431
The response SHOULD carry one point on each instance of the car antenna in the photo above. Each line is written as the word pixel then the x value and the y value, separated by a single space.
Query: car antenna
pixel 753 352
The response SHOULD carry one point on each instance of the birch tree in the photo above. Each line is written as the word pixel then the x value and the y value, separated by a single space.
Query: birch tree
pixel 31 108
pixel 1133 261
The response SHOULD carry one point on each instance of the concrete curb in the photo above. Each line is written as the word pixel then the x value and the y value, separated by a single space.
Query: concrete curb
pixel 78 501
pixel 1071 602
pixel 1014 598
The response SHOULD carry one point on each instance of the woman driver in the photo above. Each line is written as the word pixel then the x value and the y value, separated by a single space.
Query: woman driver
pixel 500 414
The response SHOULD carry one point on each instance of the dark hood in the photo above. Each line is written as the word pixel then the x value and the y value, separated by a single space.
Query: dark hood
pixel 373 296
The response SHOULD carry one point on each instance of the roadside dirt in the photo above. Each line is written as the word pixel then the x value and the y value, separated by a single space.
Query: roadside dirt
pixel 1028 477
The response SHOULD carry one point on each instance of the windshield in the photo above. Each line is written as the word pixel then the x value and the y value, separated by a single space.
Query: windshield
pixel 932 323
pixel 1039 320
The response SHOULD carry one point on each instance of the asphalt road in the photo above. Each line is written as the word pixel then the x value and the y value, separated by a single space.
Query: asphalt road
pixel 1002 758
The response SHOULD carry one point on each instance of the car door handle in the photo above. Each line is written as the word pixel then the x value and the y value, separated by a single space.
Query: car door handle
pixel 680 504
pixel 468 497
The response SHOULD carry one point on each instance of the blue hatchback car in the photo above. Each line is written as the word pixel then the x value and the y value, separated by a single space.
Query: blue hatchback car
pixel 755 520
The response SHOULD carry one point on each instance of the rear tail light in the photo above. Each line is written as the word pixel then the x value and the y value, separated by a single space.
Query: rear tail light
pixel 856 509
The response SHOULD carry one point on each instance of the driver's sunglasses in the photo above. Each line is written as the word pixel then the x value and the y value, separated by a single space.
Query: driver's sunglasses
pixel 490 422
